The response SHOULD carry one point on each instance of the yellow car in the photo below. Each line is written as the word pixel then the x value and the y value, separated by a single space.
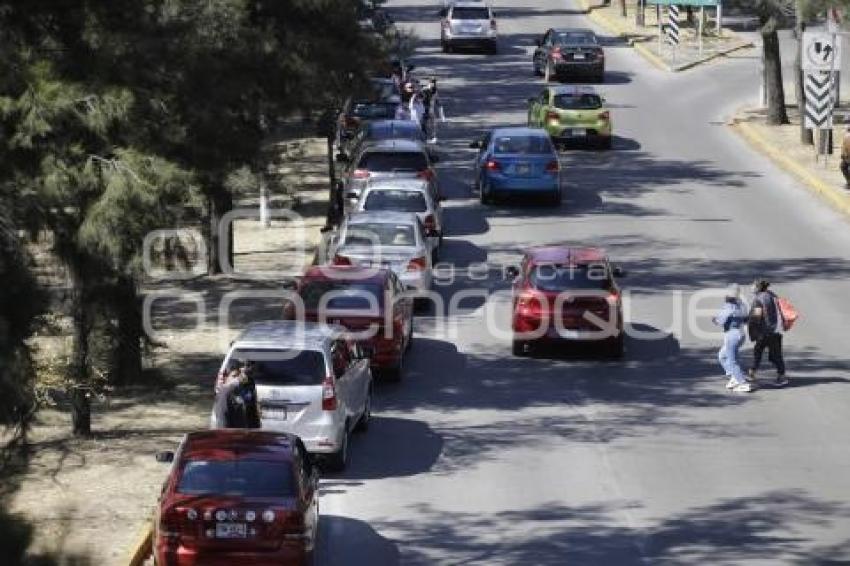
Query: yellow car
pixel 571 113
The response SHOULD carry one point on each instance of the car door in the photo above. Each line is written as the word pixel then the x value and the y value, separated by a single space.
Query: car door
pixel 360 376
pixel 307 477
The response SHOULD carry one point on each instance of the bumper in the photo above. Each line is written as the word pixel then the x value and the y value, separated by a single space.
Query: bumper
pixel 457 40
pixel 386 354
pixel 524 330
pixel 579 68
pixel 569 134
pixel 287 553
pixel 319 438
pixel 524 185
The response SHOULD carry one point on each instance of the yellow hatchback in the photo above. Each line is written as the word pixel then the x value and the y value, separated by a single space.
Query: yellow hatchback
pixel 571 113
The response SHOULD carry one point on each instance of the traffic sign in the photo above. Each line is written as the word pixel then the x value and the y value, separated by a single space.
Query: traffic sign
pixel 673 25
pixel 821 51
pixel 819 100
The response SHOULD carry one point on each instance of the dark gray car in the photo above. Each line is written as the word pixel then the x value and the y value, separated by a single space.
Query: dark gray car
pixel 563 53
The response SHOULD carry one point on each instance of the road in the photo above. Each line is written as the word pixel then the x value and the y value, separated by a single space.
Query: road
pixel 481 458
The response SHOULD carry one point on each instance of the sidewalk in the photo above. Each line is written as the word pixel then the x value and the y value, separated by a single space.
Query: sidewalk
pixel 644 38
pixel 782 145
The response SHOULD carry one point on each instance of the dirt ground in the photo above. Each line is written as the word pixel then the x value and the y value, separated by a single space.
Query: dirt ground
pixel 89 498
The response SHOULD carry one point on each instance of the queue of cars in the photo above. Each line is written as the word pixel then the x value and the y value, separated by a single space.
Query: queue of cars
pixel 251 497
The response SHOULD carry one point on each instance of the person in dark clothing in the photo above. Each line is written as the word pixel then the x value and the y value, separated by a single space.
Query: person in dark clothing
pixel 236 400
pixel 765 329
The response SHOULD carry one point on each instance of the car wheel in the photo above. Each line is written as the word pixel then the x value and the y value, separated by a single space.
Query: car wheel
pixel 409 343
pixel 338 461
pixel 555 199
pixel 535 68
pixel 395 373
pixel 600 78
pixel 493 48
pixel 485 196
pixel 606 142
pixel 616 347
pixel 363 423
pixel 448 48
pixel 520 348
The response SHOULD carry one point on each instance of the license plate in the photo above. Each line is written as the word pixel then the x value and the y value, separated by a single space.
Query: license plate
pixel 578 132
pixel 523 169
pixel 278 414
pixel 578 56
pixel 231 530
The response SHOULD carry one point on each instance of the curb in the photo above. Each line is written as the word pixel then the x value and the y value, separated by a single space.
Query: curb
pixel 838 200
pixel 143 547
pixel 636 41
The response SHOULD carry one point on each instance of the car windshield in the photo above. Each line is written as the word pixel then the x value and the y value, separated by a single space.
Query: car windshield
pixel 402 201
pixel 342 295
pixel 379 234
pixel 578 101
pixel 238 477
pixel 393 161
pixel 470 13
pixel 575 38
pixel 281 367
pixel 374 110
pixel 522 144
pixel 551 277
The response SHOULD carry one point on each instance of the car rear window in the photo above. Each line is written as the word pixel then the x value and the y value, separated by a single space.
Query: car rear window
pixel 374 110
pixel 238 477
pixel 578 102
pixel 402 201
pixel 470 13
pixel 575 38
pixel 522 144
pixel 384 89
pixel 551 277
pixel 370 234
pixel 393 161
pixel 345 295
pixel 398 131
pixel 280 366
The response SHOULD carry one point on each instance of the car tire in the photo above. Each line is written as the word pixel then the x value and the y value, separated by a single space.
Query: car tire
pixel 366 417
pixel 493 48
pixel 338 461
pixel 554 200
pixel 600 77
pixel 485 197
pixel 521 348
pixel 394 374
pixel 535 68
pixel 409 343
pixel 606 142
pixel 448 48
pixel 616 347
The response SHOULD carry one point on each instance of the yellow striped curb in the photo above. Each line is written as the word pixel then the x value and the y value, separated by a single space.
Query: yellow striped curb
pixel 142 549
pixel 636 41
pixel 834 196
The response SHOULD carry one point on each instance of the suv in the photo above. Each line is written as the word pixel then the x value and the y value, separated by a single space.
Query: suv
pixel 311 379
pixel 468 24
pixel 237 497
pixel 385 159
pixel 371 303
pixel 563 294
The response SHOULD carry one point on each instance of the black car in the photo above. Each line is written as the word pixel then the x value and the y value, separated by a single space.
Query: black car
pixel 569 52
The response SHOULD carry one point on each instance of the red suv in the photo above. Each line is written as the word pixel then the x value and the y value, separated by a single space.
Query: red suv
pixel 371 303
pixel 237 497
pixel 566 294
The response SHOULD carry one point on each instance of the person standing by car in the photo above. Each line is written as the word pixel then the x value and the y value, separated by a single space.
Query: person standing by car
pixel 433 110
pixel 236 398
pixel 845 156
pixel 732 317
pixel 765 327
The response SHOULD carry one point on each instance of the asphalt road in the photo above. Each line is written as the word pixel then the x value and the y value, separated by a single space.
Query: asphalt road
pixel 481 458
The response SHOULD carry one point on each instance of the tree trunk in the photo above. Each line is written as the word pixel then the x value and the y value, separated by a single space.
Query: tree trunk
pixel 776 113
pixel 219 204
pixel 806 134
pixel 80 387
pixel 127 360
pixel 334 215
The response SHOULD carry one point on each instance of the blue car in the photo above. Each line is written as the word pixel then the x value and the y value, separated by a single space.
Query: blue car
pixel 517 161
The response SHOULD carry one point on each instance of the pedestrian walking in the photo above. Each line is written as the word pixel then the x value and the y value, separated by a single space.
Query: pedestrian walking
pixel 765 327
pixel 433 110
pixel 732 317
pixel 845 156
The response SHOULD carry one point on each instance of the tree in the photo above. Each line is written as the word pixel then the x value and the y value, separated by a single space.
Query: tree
pixel 770 14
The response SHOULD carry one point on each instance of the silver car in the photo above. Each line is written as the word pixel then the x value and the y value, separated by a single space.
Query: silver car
pixel 407 195
pixel 394 240
pixel 311 379
pixel 468 24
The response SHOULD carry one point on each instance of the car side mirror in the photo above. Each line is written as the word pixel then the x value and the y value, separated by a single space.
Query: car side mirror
pixel 512 272
pixel 619 272
pixel 475 144
pixel 165 457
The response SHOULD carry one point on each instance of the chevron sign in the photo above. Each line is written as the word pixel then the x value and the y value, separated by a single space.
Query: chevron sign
pixel 819 102
pixel 673 25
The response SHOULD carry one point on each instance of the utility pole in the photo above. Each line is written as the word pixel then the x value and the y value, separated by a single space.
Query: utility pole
pixel 806 135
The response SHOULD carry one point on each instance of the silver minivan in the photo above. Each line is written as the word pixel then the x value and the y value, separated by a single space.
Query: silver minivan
pixel 468 24
pixel 312 380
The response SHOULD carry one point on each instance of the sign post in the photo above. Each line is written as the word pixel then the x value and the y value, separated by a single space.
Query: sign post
pixel 821 56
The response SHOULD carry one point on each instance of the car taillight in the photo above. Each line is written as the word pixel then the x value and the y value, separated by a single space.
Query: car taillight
pixel 176 523
pixel 530 305
pixel 493 165
pixel 426 174
pixel 328 395
pixel 360 174
pixel 553 116
pixel 556 53
pixel 613 299
pixel 430 222
pixel 553 167
pixel 417 264
pixel 604 115
pixel 341 260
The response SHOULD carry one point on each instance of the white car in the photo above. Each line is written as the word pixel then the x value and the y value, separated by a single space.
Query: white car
pixel 468 24
pixel 407 195
pixel 394 240
pixel 312 381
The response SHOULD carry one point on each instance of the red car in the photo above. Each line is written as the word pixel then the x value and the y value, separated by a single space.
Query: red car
pixel 237 497
pixel 367 301
pixel 563 294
